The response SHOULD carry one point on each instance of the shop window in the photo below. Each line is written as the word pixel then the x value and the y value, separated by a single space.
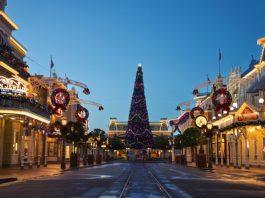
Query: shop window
pixel 16 129
pixel 52 149
pixel 255 150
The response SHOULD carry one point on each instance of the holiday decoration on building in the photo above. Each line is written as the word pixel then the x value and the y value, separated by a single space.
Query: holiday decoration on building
pixel 81 114
pixel 60 98
pixel 56 111
pixel 55 130
pixel 222 100
pixel 138 133
pixel 196 111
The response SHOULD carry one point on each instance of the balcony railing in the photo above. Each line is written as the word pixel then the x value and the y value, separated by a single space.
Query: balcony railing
pixel 7 57
pixel 23 103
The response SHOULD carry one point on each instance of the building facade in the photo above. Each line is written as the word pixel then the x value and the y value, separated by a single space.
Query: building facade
pixel 240 140
pixel 23 114
pixel 118 128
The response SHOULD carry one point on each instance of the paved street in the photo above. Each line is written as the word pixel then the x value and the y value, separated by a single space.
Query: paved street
pixel 141 180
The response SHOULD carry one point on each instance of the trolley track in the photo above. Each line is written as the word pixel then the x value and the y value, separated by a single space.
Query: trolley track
pixel 153 179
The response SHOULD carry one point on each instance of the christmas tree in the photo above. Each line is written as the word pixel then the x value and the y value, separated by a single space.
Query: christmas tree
pixel 138 133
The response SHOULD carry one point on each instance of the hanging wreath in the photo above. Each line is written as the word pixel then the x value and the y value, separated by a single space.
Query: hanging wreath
pixel 55 130
pixel 195 112
pixel 60 98
pixel 221 99
pixel 56 111
pixel 81 114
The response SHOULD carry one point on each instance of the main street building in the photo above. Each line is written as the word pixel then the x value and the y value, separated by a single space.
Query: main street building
pixel 119 128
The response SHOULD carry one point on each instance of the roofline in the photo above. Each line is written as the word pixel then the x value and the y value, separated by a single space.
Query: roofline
pixel 8 20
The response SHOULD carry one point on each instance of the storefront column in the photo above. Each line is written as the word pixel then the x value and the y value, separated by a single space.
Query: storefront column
pixel 222 149
pixel 22 144
pixel 235 152
pixel 227 150
pixel 239 153
pixel 216 149
pixel 31 149
pixel 246 153
pixel 39 149
pixel 45 150
pixel 2 128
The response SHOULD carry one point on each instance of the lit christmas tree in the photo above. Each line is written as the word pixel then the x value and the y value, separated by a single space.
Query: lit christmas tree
pixel 138 134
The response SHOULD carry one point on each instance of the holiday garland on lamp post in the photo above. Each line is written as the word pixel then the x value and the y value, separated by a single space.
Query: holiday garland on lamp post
pixel 138 133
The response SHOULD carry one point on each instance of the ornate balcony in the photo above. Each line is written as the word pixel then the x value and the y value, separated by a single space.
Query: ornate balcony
pixel 21 103
pixel 7 57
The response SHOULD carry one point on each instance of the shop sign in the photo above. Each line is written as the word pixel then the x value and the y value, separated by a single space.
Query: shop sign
pixel 247 114
pixel 12 86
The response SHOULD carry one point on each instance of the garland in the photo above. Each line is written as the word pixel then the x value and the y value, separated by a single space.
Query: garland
pixel 242 124
pixel 60 98
pixel 195 109
pixel 221 104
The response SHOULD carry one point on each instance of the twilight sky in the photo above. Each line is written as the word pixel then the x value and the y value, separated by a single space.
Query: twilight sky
pixel 100 43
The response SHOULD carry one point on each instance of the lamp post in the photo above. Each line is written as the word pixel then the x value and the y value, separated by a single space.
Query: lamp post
pixel 173 148
pixel 209 131
pixel 64 123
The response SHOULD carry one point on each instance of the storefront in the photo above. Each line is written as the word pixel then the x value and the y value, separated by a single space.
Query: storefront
pixel 241 141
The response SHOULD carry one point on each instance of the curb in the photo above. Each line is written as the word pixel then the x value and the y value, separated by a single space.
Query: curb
pixel 82 167
pixel 6 180
pixel 14 179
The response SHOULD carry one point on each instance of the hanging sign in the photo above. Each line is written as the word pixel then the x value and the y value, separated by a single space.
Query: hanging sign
pixel 12 86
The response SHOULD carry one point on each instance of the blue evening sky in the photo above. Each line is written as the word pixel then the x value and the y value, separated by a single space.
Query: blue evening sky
pixel 101 42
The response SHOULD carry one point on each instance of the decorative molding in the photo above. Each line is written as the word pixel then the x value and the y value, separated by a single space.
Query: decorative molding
pixel 12 85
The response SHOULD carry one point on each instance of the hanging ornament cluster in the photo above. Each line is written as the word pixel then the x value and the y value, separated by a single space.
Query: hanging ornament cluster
pixel 60 99
pixel 196 111
pixel 222 100
pixel 81 114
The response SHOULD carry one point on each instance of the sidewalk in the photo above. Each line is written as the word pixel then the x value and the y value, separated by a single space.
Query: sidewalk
pixel 21 175
pixel 16 174
pixel 253 171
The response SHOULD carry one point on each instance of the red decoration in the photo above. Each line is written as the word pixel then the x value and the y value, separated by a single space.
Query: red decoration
pixel 56 111
pixel 195 112
pixel 81 114
pixel 60 98
pixel 55 130
pixel 222 100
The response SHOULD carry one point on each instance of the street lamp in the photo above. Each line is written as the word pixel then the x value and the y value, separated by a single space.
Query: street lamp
pixel 209 131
